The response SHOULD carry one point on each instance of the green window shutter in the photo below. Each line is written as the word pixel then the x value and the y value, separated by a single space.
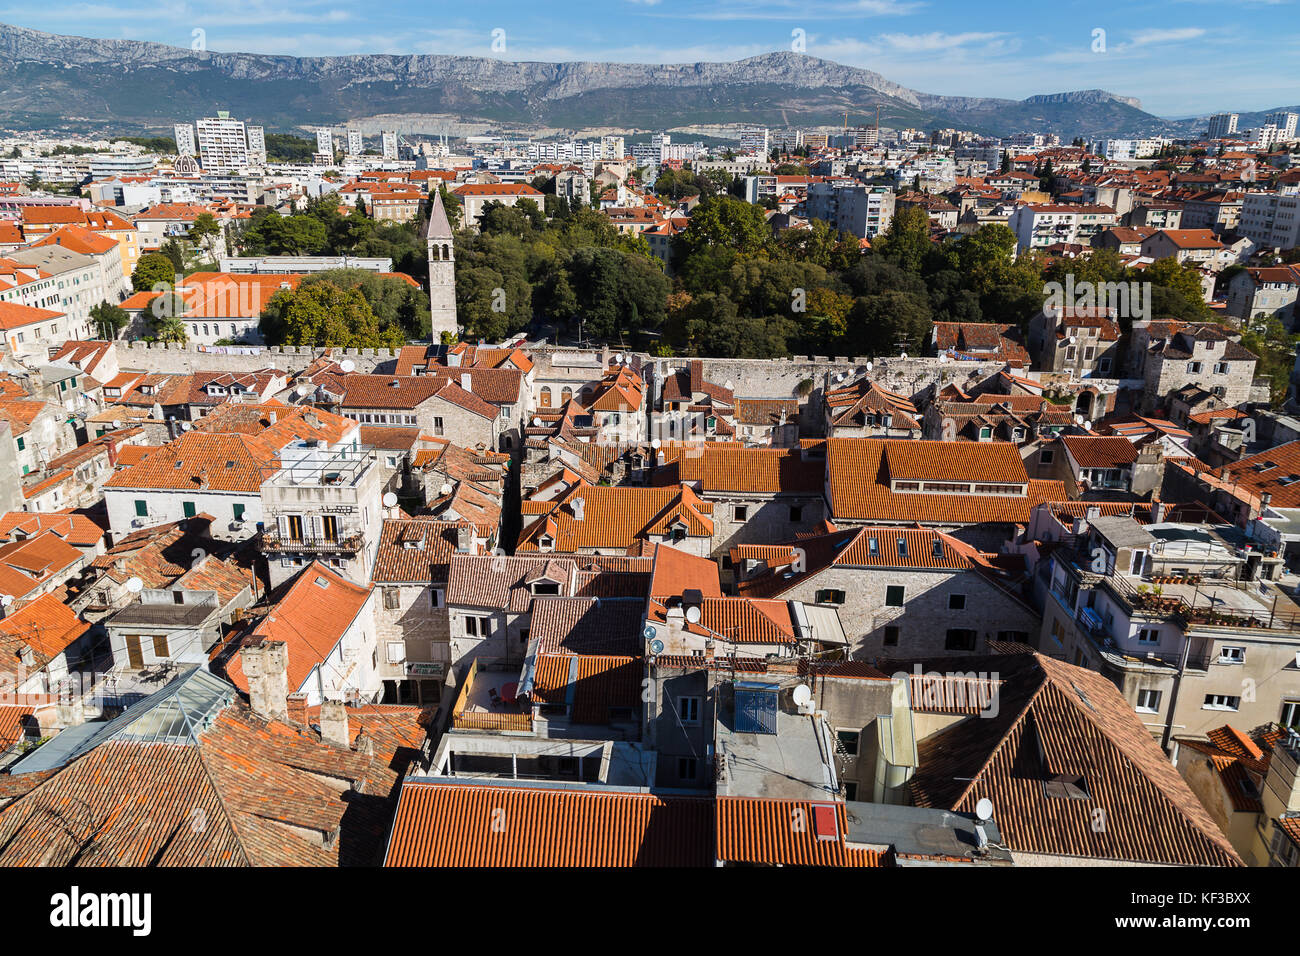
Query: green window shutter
pixel 22 443
pixel 238 509
pixel 141 509
pixel 190 510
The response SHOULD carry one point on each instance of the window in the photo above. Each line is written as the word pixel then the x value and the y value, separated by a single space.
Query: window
pixel 741 512
pixel 1290 713
pixel 141 509
pixel 478 626
pixel 437 426
pixel 1045 456
pixel 1220 368
pixel 892 632
pixel 956 602
pixel 986 433
pixel 1148 702
pixel 22 444
pixel 1149 635
pixel 237 510
pixel 160 649
pixel 1221 702
pixel 1194 368
pixel 1232 655
pixel 396 652
pixel 894 595
pixel 687 767
pixel 848 740
pixel 960 639
pixel 688 709
pixel 392 598
pixel 796 513
pixel 829 596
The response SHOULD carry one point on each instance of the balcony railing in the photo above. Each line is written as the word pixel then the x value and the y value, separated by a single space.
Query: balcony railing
pixel 311 544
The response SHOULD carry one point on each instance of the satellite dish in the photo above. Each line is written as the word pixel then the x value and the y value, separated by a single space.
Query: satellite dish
pixel 347 365
pixel 868 366
pixel 302 390
pixel 134 585
pixel 655 443
pixel 618 358
pixel 1071 339
pixel 943 358
pixel 693 614
pixel 840 377
pixel 116 423
pixel 6 599
pixel 903 355
pixel 656 646
pixel 390 499
pixel 802 695
pixel 648 632
pixel 445 489
pixel 536 422
pixel 984 810
pixel 1087 426
pixel 186 426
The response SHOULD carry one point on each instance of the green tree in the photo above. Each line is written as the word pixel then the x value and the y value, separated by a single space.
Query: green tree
pixel 322 314
pixel 109 319
pixel 204 231
pixel 723 221
pixel 907 240
pixel 152 269
pixel 888 321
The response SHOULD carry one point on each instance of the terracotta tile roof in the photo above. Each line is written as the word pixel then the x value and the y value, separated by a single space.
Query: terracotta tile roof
pixel 414 550
pixel 787 833
pixel 978 338
pixel 1241 761
pixel 275 423
pixel 14 721
pixel 28 564
pixel 77 530
pixel 15 316
pixel 311 618
pixel 676 571
pixel 1062 744
pixel 591 685
pixel 766 411
pixel 578 625
pixel 79 239
pixel 389 438
pixel 864 401
pixel 859 469
pixel 616 517
pixel 203 461
pixel 1275 472
pixel 729 467
pixel 450 824
pixel 1100 452
pixel 46 624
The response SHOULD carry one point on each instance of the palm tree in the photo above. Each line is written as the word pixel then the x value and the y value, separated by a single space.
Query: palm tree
pixel 170 330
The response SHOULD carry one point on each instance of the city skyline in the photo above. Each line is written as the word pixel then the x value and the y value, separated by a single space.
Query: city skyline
pixel 935 46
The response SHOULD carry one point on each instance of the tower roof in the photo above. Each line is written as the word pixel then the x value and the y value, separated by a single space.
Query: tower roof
pixel 438 226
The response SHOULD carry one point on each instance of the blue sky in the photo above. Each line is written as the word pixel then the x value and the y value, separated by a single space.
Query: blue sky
pixel 1180 57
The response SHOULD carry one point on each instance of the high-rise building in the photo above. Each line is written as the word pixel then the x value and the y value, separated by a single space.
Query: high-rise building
pixel 185 140
pixel 1222 125
pixel 442 268
pixel 754 140
pixel 355 146
pixel 390 145
pixel 256 145
pixel 325 141
pixel 1285 123
pixel 223 143
pixel 613 148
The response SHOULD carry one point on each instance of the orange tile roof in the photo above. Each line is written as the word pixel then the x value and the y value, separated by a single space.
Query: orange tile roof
pixel 787 833
pixel 77 530
pixel 1092 451
pixel 15 316
pixel 26 565
pixel 47 624
pixel 78 239
pixel 311 618
pixel 440 824
pixel 202 461
pixel 615 517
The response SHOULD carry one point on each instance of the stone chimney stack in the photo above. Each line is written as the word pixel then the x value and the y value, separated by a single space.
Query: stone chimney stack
pixel 334 723
pixel 297 708
pixel 266 666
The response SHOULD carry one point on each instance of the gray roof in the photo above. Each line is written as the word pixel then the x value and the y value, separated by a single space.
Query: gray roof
pixel 438 227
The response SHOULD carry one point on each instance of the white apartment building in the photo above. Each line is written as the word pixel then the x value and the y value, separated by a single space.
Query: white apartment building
pixel 862 210
pixel 354 142
pixel 1222 124
pixel 1271 219
pixel 185 140
pixel 78 279
pixel 257 145
pixel 325 140
pixel 389 141
pixel 223 143
pixel 613 147
pixel 1037 227
pixel 1284 122
pixel 754 140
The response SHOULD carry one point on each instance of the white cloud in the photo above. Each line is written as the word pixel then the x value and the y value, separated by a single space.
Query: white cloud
pixel 930 42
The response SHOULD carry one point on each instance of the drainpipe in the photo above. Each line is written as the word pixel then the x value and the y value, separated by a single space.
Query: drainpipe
pixel 1173 694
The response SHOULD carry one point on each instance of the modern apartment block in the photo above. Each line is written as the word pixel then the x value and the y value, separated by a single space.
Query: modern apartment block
pixel 223 143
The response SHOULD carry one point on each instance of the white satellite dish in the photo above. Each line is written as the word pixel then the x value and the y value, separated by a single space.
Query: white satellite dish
pixel 116 423
pixel 302 390
pixel 868 366
pixel 1071 339
pixel 445 489
pixel 6 599
pixel 618 358
pixel 693 614
pixel 134 585
pixel 903 355
pixel 186 426
pixel 840 377
pixel 802 695
pixel 347 365
pixel 1087 426
pixel 984 810
pixel 656 443
pixel 390 499
pixel 536 422
pixel 943 358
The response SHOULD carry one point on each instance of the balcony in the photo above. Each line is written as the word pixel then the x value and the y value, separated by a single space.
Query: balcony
pixel 487 702
pixel 276 543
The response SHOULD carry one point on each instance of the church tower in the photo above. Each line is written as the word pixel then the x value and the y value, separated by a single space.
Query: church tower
pixel 442 269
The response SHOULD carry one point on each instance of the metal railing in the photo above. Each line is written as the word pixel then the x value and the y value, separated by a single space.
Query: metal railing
pixel 343 544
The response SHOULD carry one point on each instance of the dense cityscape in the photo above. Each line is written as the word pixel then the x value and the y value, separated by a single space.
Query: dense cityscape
pixel 778 495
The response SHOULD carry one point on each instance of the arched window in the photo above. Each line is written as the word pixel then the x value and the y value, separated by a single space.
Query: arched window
pixel 545 398
pixel 436 253
pixel 446 252
pixel 566 395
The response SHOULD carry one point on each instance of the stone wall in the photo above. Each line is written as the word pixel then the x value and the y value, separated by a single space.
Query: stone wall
pixel 177 359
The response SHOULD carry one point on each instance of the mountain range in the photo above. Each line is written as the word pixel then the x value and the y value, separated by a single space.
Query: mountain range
pixel 77 84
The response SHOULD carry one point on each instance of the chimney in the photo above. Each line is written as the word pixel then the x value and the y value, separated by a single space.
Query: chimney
pixel 296 705
pixel 265 666
pixel 465 539
pixel 27 656
pixel 1092 513
pixel 1223 473
pixel 334 724
pixel 1157 511
pixel 71 711
pixel 1264 500
pixel 466 381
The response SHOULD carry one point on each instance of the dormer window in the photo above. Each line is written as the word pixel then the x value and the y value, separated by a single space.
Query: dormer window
pixel 546 543
pixel 545 588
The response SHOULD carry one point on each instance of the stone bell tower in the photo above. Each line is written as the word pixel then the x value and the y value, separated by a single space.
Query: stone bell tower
pixel 442 269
